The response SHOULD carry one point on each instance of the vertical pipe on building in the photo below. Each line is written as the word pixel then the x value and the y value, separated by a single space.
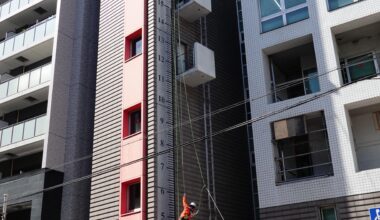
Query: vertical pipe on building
pixel 144 110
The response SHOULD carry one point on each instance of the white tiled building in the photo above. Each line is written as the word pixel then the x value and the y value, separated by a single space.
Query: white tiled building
pixel 322 155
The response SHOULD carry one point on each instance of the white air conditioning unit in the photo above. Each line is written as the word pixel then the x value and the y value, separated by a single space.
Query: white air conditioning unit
pixel 192 10
pixel 203 70
pixel 289 128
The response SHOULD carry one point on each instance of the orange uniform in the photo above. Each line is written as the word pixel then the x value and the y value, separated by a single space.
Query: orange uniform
pixel 186 213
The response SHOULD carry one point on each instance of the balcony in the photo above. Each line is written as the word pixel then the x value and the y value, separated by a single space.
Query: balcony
pixel 23 131
pixel 359 53
pixel 29 46
pixel 26 81
pixel 294 73
pixel 10 7
pixel 192 10
pixel 203 69
pixel 13 13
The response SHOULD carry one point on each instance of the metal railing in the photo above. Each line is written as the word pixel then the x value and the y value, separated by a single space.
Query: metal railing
pixel 11 6
pixel 26 81
pixel 23 131
pixel 26 38
pixel 359 67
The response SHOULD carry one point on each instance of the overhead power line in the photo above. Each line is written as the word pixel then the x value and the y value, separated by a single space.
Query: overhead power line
pixel 190 143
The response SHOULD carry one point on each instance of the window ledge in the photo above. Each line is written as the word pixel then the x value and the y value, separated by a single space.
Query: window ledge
pixel 131 213
pixel 131 135
pixel 132 58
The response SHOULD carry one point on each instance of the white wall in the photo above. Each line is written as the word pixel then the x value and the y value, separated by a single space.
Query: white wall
pixel 367 141
pixel 322 25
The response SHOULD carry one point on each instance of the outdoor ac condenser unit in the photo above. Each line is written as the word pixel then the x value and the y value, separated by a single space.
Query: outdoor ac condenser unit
pixel 289 128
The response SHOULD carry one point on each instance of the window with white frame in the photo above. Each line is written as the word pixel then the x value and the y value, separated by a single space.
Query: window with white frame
pixel 277 13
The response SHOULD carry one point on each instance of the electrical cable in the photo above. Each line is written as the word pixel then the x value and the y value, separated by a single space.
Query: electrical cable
pixel 262 117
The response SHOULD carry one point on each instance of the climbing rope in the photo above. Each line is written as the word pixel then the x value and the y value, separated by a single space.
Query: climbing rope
pixel 191 132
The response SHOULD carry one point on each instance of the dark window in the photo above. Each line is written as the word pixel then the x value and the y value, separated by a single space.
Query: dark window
pixel 294 73
pixel 135 122
pixel 133 45
pixel 20 165
pixel 131 120
pixel 136 47
pixel 181 58
pixel 328 213
pixel 134 197
pixel 302 147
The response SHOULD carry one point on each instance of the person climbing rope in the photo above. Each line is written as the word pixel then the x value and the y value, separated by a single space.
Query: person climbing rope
pixel 189 211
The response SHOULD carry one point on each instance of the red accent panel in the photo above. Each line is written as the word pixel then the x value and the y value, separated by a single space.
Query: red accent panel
pixel 128 42
pixel 126 114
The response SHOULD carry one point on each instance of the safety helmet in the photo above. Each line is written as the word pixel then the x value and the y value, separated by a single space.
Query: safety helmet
pixel 193 205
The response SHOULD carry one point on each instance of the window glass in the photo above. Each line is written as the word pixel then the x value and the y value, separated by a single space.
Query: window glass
pixel 277 13
pixel 181 58
pixel 328 214
pixel 297 16
pixel 292 3
pixel 303 155
pixel 361 67
pixel 136 46
pixel 135 122
pixel 269 7
pixel 134 197
pixel 312 81
pixel 334 4
pixel 272 24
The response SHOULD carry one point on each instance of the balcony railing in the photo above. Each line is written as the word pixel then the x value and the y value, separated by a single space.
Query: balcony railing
pixel 23 131
pixel 11 6
pixel 360 67
pixel 308 84
pixel 26 38
pixel 26 81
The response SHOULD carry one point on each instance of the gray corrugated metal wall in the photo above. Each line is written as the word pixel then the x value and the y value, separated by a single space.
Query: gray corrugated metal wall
pixel 106 152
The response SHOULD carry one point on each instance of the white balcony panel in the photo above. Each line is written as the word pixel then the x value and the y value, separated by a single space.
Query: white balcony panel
pixel 192 10
pixel 23 134
pixel 34 44
pixel 16 13
pixel 204 67
pixel 33 83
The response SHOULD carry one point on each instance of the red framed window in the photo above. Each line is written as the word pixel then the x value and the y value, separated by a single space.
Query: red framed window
pixel 131 197
pixel 132 121
pixel 133 45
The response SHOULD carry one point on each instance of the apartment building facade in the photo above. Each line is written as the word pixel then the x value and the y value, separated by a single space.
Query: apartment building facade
pixel 164 67
pixel 313 70
pixel 47 84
